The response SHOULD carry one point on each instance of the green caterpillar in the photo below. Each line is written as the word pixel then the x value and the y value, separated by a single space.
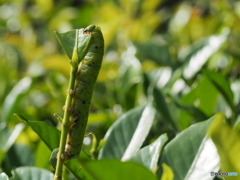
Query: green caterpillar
pixel 86 77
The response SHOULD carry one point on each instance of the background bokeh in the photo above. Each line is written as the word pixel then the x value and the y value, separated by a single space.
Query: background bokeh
pixel 188 50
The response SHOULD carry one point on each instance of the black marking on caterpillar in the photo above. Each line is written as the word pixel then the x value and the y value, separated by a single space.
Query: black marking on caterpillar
pixel 86 77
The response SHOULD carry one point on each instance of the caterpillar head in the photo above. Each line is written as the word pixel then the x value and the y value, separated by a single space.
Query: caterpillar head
pixel 91 28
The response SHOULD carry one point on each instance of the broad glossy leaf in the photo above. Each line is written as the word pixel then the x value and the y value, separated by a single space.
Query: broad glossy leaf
pixel 74 39
pixel 220 82
pixel 201 52
pixel 14 97
pixel 31 173
pixel 227 142
pixel 190 154
pixel 117 170
pixel 8 137
pixel 3 176
pixel 127 134
pixel 149 155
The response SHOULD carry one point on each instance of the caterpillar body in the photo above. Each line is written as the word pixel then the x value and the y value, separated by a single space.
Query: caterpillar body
pixel 86 77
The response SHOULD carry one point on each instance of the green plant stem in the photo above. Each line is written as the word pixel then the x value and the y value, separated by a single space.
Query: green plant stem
pixel 65 123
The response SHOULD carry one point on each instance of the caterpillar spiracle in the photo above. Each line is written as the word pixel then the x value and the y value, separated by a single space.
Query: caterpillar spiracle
pixel 86 77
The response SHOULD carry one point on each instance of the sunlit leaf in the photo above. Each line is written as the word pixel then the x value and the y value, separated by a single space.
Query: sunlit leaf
pixel 201 52
pixel 127 134
pixel 149 155
pixel 14 97
pixel 3 176
pixel 8 137
pixel 190 154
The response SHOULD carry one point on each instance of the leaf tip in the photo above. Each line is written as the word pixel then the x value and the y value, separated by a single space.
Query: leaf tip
pixel 20 118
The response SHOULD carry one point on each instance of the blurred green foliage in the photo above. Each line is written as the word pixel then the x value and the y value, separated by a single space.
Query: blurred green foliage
pixel 184 54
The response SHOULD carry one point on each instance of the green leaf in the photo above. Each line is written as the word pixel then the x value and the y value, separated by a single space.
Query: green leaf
pixel 8 137
pixel 49 134
pixel 40 160
pixel 14 97
pixel 155 52
pixel 194 111
pixel 127 134
pixel 53 158
pixel 20 155
pixel 149 155
pixel 201 52
pixel 130 75
pixel 160 77
pixel 204 96
pixel 117 170
pixel 227 142
pixel 31 173
pixel 3 176
pixel 74 39
pixel 162 106
pixel 221 83
pixel 190 154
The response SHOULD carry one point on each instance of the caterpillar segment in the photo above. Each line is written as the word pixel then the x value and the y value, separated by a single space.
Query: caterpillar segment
pixel 86 77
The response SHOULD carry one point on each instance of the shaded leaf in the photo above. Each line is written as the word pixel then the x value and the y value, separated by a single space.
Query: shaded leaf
pixel 149 155
pixel 190 154
pixel 127 134
pixel 220 82
pixel 20 155
pixel 227 142
pixel 117 170
pixel 30 173
pixel 162 106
